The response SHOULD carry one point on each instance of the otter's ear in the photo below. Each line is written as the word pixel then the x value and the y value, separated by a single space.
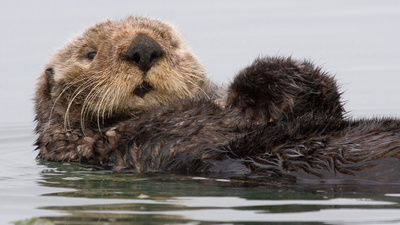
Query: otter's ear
pixel 45 84
pixel 49 72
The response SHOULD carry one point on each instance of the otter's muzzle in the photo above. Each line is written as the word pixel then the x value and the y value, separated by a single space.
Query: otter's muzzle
pixel 144 52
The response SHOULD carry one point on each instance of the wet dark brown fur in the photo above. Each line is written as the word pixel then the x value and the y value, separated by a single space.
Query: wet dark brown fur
pixel 320 149
pixel 282 123
pixel 277 89
pixel 307 149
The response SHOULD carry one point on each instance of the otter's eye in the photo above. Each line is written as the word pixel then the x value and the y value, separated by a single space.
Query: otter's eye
pixel 91 55
pixel 174 44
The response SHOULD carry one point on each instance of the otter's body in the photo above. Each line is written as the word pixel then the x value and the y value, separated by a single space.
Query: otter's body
pixel 131 95
pixel 307 149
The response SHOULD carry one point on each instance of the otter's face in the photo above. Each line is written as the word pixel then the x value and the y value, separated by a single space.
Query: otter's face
pixel 118 68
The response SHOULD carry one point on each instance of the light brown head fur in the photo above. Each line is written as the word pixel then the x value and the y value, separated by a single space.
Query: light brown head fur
pixel 90 81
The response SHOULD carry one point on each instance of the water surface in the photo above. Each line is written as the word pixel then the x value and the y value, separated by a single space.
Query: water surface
pixel 357 41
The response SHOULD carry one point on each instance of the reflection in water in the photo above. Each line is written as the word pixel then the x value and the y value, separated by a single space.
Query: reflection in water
pixel 104 197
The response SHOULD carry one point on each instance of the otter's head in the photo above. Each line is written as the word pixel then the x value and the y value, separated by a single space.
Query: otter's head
pixel 114 70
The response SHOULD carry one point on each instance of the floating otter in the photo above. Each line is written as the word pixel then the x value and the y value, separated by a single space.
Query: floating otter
pixel 112 97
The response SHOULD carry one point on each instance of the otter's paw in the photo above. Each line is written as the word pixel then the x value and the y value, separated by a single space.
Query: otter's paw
pixel 273 89
pixel 74 146
pixel 60 145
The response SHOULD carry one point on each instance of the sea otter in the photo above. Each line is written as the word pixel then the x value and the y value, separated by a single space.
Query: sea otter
pixel 118 69
pixel 129 94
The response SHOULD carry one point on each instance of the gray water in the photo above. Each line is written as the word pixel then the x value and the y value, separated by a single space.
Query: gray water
pixel 357 41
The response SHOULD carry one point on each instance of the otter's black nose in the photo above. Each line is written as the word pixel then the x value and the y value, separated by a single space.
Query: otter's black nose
pixel 144 52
